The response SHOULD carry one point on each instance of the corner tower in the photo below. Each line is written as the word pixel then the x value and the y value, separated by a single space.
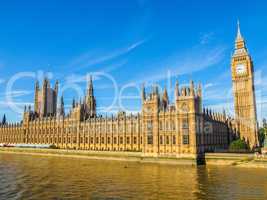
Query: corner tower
pixel 244 91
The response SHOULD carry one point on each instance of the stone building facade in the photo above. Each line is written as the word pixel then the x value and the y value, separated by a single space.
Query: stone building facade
pixel 160 129
pixel 177 129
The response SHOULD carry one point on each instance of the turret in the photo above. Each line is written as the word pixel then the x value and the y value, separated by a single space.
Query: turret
pixel 44 97
pixel 192 89
pixel 56 88
pixel 61 110
pixel 36 93
pixel 73 103
pixel 4 120
pixel 199 90
pixel 143 94
pixel 165 99
pixel 177 90
pixel 90 101
pixel 55 98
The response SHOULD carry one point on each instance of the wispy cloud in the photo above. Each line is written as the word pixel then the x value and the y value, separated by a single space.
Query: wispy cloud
pixel 205 38
pixel 15 93
pixel 3 104
pixel 77 78
pixel 89 59
pixel 114 66
pixel 193 60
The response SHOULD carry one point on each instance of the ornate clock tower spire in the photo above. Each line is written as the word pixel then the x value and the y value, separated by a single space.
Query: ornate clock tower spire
pixel 244 92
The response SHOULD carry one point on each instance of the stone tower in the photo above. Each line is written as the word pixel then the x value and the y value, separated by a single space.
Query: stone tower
pixel 150 117
pixel 188 107
pixel 45 99
pixel 244 92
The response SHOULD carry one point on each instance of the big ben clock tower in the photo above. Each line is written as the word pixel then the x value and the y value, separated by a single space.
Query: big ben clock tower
pixel 244 92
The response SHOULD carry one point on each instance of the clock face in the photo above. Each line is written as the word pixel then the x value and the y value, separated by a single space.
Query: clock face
pixel 240 69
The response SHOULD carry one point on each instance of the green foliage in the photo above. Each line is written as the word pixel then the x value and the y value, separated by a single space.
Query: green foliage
pixel 262 132
pixel 264 123
pixel 238 145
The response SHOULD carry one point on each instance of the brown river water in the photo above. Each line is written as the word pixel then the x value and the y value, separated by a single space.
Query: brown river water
pixel 40 177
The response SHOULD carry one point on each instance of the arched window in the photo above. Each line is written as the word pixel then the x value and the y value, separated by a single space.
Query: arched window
pixel 149 132
pixel 161 139
pixel 167 140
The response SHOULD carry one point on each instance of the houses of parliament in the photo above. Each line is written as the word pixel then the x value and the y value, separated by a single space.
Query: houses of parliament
pixel 161 128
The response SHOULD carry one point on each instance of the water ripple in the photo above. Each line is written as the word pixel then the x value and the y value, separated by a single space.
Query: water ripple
pixel 32 177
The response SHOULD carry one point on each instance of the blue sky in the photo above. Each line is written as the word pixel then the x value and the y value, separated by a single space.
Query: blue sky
pixel 129 42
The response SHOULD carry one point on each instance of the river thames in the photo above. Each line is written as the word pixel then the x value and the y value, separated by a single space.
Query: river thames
pixel 40 177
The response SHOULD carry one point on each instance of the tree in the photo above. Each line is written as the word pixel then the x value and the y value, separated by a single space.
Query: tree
pixel 238 145
pixel 264 123
pixel 262 132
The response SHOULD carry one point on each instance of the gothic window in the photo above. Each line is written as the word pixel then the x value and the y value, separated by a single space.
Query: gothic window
pixel 160 125
pixel 173 139
pixel 161 139
pixel 97 140
pixel 121 140
pixel 102 140
pixel 128 140
pixel 185 139
pixel 108 140
pixel 115 140
pixel 135 140
pixel 167 140
pixel 149 132
pixel 92 140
